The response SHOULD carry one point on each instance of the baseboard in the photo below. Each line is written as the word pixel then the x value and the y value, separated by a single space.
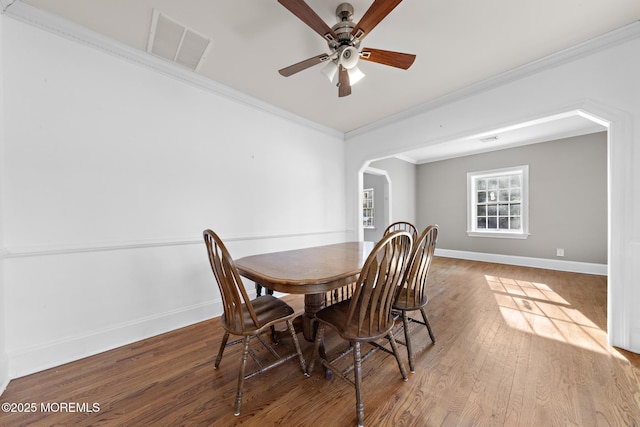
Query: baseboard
pixel 549 264
pixel 634 344
pixel 4 372
pixel 48 355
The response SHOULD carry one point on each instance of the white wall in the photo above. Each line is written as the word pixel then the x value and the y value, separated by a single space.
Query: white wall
pixel 113 170
pixel 4 361
pixel 599 78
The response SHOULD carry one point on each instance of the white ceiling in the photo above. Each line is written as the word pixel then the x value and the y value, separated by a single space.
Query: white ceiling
pixel 458 43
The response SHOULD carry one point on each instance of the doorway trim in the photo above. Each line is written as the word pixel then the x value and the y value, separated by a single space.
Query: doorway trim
pixel 386 197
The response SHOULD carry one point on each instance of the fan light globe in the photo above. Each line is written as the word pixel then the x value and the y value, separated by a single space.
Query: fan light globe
pixel 349 57
pixel 330 70
pixel 355 75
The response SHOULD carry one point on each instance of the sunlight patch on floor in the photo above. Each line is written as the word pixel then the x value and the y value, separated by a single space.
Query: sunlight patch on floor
pixel 536 309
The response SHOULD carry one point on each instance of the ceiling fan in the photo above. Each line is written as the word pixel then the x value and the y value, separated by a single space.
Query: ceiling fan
pixel 344 42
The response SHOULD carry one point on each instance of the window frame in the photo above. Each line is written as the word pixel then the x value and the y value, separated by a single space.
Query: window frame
pixel 368 205
pixel 472 230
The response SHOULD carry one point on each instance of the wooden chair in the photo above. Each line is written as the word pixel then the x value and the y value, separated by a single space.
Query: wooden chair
pixel 366 317
pixel 403 226
pixel 412 294
pixel 245 317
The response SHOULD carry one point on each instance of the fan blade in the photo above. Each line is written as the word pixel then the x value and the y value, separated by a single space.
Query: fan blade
pixel 387 57
pixel 344 86
pixel 309 17
pixel 372 17
pixel 303 65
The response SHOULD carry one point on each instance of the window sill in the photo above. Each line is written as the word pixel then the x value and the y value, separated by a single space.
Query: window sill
pixel 497 234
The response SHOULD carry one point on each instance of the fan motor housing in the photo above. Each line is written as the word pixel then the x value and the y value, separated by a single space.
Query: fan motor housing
pixel 345 25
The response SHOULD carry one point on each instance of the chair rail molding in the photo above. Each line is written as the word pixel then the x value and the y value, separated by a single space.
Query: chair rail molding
pixel 53 249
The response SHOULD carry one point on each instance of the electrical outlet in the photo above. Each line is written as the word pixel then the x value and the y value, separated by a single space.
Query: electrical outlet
pixel 560 252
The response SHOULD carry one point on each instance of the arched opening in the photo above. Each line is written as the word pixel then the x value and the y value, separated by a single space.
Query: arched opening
pixel 618 126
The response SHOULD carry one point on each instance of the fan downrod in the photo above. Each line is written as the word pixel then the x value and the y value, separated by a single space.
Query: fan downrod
pixel 344 13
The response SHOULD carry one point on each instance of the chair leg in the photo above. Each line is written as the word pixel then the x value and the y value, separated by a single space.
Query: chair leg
pixel 223 344
pixel 426 322
pixel 243 365
pixel 394 346
pixel 357 368
pixel 407 340
pixel 303 365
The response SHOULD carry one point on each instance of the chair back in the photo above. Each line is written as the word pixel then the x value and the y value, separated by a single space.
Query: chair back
pixel 239 315
pixel 412 294
pixel 369 313
pixel 403 226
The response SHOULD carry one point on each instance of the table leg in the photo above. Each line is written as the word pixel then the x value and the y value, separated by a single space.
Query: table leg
pixel 312 304
pixel 259 290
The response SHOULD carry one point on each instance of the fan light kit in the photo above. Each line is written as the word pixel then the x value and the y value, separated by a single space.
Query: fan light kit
pixel 344 42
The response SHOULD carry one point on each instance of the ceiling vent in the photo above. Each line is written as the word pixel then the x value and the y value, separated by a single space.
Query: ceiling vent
pixel 173 41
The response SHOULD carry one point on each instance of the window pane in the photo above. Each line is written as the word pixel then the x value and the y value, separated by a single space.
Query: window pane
pixel 515 195
pixel 492 183
pixel 503 210
pixel 515 209
pixel 492 210
pixel 504 223
pixel 515 223
pixel 492 222
pixel 481 184
pixel 515 180
pixel 482 210
pixel 503 182
pixel 482 222
pixel 504 195
pixel 482 196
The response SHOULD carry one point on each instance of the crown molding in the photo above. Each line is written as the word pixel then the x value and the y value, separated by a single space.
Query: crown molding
pixel 4 4
pixel 72 31
pixel 612 38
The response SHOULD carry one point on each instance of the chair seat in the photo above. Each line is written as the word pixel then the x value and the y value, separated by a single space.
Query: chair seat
pixel 406 300
pixel 268 309
pixel 336 316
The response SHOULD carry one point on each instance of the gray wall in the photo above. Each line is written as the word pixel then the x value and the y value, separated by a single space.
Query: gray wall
pixel 567 199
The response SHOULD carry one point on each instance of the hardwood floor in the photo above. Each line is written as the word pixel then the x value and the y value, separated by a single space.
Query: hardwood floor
pixel 515 347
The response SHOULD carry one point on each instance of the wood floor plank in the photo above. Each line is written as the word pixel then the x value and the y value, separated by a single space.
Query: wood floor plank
pixel 515 346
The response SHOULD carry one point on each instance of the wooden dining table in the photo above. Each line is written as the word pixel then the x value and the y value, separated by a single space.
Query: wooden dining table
pixel 310 271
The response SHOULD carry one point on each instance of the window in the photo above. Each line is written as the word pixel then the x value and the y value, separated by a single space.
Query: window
pixel 498 203
pixel 367 208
